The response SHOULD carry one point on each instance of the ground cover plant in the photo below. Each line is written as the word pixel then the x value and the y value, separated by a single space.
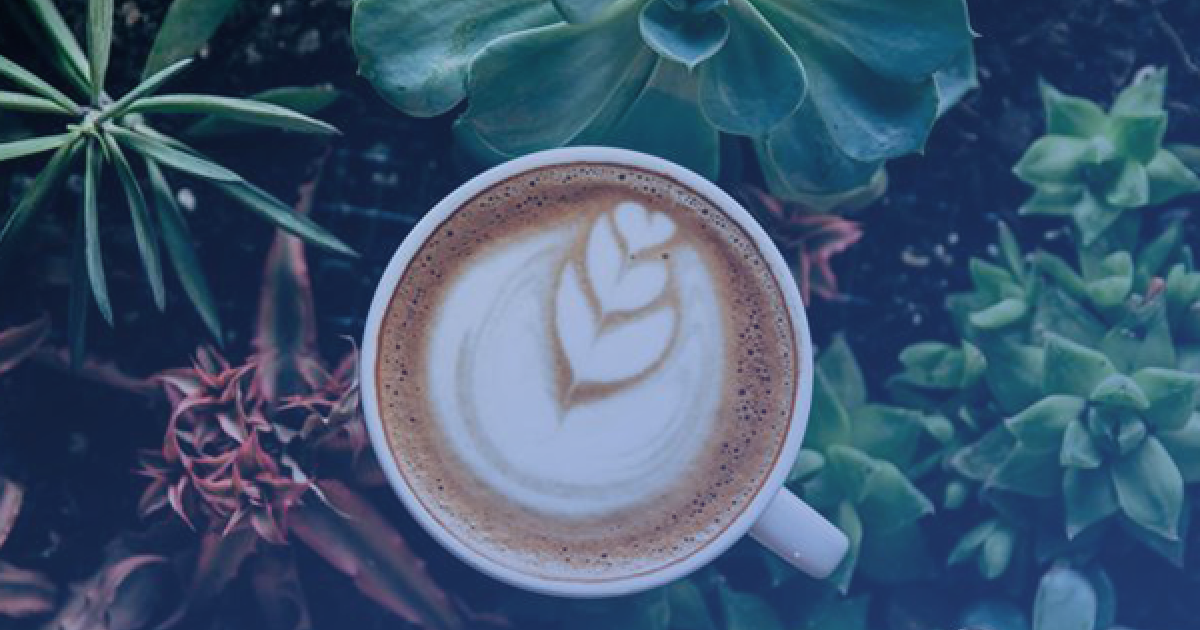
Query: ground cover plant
pixel 1005 421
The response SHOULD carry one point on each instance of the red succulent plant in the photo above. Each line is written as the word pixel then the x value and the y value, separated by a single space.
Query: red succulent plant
pixel 813 238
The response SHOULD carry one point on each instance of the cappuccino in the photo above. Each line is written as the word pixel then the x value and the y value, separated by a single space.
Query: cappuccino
pixel 586 372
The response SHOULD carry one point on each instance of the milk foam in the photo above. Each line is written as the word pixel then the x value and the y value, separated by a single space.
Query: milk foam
pixel 571 369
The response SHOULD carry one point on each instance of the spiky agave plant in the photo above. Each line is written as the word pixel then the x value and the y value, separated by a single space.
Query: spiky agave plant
pixel 243 446
pixel 107 132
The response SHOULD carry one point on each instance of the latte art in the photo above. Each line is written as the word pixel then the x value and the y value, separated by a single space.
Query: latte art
pixel 586 372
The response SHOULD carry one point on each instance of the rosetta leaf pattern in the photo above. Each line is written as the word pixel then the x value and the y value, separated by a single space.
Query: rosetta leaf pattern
pixel 610 318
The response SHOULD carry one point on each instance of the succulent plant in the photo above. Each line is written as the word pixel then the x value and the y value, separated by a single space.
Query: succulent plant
pixel 827 91
pixel 1095 167
pixel 108 131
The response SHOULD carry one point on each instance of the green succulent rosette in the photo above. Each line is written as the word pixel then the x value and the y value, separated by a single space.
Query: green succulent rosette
pixel 827 91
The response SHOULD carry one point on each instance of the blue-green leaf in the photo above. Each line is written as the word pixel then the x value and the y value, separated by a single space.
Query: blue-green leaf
pixel 1065 601
pixel 145 88
pixel 1070 115
pixel 1173 396
pixel 1029 471
pixel 187 26
pixel 800 157
pixel 1093 217
pixel 1138 136
pixel 996 553
pixel 17 102
pixel 956 79
pixel 1006 312
pixel 170 156
pixel 1090 498
pixel 1079 450
pixel 31 146
pixel 238 109
pixel 1150 488
pixel 1073 369
pixel 33 83
pixel 1129 187
pixel 143 225
pixel 1145 96
pixel 968 546
pixel 1169 178
pixel 688 609
pixel 99 39
pixel 1111 288
pixel 70 58
pixel 1041 426
pixel 1055 160
pixel 1121 391
pixel 682 37
pixel 1184 446
pixel 755 81
pixel 1054 200
pixel 844 375
pixel 416 53
pixel 579 11
pixel 304 100
pixel 91 223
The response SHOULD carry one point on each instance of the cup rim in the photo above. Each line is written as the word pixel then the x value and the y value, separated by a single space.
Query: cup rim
pixel 771 486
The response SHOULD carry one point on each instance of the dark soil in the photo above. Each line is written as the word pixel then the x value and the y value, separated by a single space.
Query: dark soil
pixel 73 443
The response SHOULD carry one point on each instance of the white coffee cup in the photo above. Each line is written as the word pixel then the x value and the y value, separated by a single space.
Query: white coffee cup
pixel 774 517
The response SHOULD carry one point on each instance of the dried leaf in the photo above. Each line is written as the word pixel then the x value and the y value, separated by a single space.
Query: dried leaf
pixel 18 342
pixel 11 496
pixel 124 594
pixel 24 593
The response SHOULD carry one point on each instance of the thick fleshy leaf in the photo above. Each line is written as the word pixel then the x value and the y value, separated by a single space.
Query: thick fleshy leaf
pixel 1150 488
pixel 830 422
pixel 144 227
pixel 1184 446
pixel 237 109
pixel 1112 281
pixel 1090 498
pixel 993 281
pixel 99 39
pixel 1169 178
pixel 666 121
pixel 578 11
pixel 1028 471
pixel 941 366
pixel 21 148
pixel 178 243
pixel 186 28
pixel 1058 311
pixel 997 552
pixel 527 93
pixel 1065 600
pixel 1063 275
pixel 956 79
pixel 1145 96
pixel 1004 313
pixel 173 157
pixel 91 223
pixel 305 100
pixel 147 87
pixel 808 463
pixel 69 55
pixel 746 611
pixel 1070 115
pixel 33 83
pixel 1142 339
pixel 1173 396
pixel 1155 254
pixel 1120 391
pixel 24 593
pixel 846 519
pixel 844 375
pixel 688 608
pixel 1041 426
pixel 1131 432
pixel 1130 187
pixel 870 114
pixel 1073 369
pixel 970 543
pixel 282 216
pixel 888 433
pixel 1093 216
pixel 1078 449
pixel 681 36
pixel 1015 374
pixel 1055 160
pixel 755 81
pixel 1054 200
pixel 1010 251
pixel 884 497
pixel 1138 136
pixel 356 540
pixel 799 157
pixel 45 183
pixel 416 54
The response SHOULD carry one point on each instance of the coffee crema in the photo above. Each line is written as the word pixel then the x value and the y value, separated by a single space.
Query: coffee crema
pixel 587 372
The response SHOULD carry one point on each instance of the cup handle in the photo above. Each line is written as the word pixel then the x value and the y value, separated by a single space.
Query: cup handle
pixel 801 536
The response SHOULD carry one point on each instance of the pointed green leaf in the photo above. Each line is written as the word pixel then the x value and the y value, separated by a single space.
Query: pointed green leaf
pixel 1142 339
pixel 970 543
pixel 993 281
pixel 1155 254
pixel 845 376
pixel 143 225
pixel 996 553
pixel 1183 290
pixel 1079 450
pixel 755 81
pixel 846 519
pixel 1061 273
pixel 17 102
pixel 980 460
pixel 21 148
pixel 1003 313
pixel 99 39
pixel 940 366
pixel 688 608
pixel 1093 217
pixel 883 495
pixel 1010 250
pixel 1068 317
pixel 279 214
pixel 1054 200
pixel 242 110
pixel 1111 288
pixel 1121 391
pixel 1138 136
pixel 1130 187
pixel 187 26
pixel 70 58
pixel 1065 600
pixel 1033 472
pixel 77 301
pixel 1055 160
pixel 178 243
pixel 33 83
pixel 1172 396
pixel 91 223
pixel 305 100
pixel 1015 374
pixel 1072 368
pixel 808 463
pixel 1090 498
pixel 683 37
pixel 1041 426
pixel 18 218
pixel 146 88
pixel 172 157
pixel 1184 446
pixel 1145 96
pixel 1131 431
pixel 744 611
pixel 1070 115
pixel 1150 488
pixel 1169 178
